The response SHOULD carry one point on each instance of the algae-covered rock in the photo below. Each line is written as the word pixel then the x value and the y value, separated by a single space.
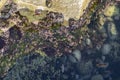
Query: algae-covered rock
pixel 111 10
pixel 111 30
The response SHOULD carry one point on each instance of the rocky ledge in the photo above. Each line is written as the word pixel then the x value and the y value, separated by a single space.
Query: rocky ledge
pixel 36 45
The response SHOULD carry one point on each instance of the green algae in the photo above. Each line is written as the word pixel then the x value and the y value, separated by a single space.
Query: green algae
pixel 32 16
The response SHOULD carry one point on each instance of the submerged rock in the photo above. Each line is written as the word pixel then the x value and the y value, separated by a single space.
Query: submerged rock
pixel 72 59
pixel 97 77
pixel 116 17
pixel 106 48
pixel 88 42
pixel 112 31
pixel 85 67
pixel 77 54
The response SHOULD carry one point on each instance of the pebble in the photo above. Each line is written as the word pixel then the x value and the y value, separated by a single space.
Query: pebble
pixel 106 48
pixel 112 31
pixel 88 41
pixel 77 54
pixel 117 17
pixel 65 76
pixel 62 68
pixel 103 58
pixel 85 67
pixel 97 77
pixel 72 59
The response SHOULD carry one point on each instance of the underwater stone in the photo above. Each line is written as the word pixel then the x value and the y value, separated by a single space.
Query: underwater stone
pixel 112 32
pixel 116 17
pixel 88 41
pixel 106 48
pixel 85 67
pixel 97 77
pixel 109 31
pixel 77 54
pixel 72 59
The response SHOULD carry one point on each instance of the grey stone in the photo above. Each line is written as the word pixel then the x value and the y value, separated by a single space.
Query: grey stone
pixel 85 67
pixel 88 41
pixel 97 77
pixel 77 54
pixel 72 59
pixel 77 76
pixel 65 77
pixel 106 48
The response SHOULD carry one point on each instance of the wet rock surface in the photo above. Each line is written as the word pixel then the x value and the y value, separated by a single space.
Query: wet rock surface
pixel 86 49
